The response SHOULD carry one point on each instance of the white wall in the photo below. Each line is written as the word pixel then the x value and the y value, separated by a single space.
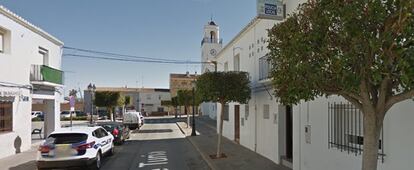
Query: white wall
pixel 398 139
pixel 15 66
pixel 257 134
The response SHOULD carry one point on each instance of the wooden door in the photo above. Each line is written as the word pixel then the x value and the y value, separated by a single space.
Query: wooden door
pixel 237 123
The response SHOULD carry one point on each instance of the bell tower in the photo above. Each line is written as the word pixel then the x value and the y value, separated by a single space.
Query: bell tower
pixel 211 44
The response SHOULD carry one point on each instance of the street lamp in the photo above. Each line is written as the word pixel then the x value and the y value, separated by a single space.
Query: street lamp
pixel 91 89
pixel 193 132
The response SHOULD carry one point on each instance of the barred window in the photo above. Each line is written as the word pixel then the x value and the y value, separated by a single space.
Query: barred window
pixel 6 116
pixel 226 112
pixel 246 111
pixel 266 110
pixel 345 131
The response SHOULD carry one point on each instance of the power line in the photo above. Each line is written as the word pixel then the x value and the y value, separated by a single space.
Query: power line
pixel 121 55
pixel 131 60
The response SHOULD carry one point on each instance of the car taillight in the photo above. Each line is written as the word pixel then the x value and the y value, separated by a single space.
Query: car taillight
pixel 85 146
pixel 115 132
pixel 44 149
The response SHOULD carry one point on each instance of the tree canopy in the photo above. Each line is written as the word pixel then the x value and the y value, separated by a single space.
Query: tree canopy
pixel 361 50
pixel 106 98
pixel 223 87
pixel 357 49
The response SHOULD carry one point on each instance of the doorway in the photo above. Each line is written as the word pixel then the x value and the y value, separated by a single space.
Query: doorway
pixel 237 123
pixel 289 133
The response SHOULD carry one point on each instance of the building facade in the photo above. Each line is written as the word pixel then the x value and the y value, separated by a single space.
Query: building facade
pixel 147 100
pixel 326 133
pixel 30 69
pixel 211 45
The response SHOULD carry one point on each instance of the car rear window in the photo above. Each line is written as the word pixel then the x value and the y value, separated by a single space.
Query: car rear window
pixel 67 138
pixel 108 127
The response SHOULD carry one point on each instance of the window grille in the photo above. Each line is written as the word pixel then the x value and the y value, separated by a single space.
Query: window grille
pixel 264 68
pixel 345 129
pixel 6 117
pixel 266 110
pixel 226 112
pixel 246 111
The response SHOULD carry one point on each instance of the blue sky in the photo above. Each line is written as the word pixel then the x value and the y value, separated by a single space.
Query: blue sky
pixel 169 29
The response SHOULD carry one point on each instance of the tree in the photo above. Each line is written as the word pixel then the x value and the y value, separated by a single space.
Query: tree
pixel 360 50
pixel 223 87
pixel 184 98
pixel 174 103
pixel 124 101
pixel 107 99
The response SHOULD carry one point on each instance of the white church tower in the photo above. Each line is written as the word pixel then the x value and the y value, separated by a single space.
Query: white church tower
pixel 211 44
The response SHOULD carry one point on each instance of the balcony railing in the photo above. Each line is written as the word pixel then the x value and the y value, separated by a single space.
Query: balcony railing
pixel 211 40
pixel 264 68
pixel 46 74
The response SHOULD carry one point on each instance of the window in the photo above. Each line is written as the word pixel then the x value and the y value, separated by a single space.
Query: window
pixel 226 66
pixel 6 116
pixel 246 111
pixel 148 96
pixel 1 42
pixel 266 110
pixel 264 68
pixel 345 131
pixel 236 61
pixel 45 55
pixel 226 112
pixel 4 40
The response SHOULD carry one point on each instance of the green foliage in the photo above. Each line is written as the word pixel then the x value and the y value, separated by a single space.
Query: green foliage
pixel 335 47
pixel 166 103
pixel 107 99
pixel 74 118
pixel 184 97
pixel 127 100
pixel 223 87
pixel 174 101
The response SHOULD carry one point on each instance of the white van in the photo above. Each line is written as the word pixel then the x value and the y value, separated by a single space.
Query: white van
pixel 132 120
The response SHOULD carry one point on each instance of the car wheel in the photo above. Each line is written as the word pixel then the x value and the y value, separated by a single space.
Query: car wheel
pixel 97 164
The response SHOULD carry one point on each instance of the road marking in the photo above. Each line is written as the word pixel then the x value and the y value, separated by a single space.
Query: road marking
pixel 155 158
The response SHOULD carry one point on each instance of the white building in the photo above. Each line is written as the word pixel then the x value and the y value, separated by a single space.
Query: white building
pixel 211 44
pixel 313 135
pixel 143 99
pixel 30 63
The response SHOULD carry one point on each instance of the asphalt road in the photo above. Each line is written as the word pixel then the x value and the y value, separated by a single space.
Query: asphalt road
pixel 158 145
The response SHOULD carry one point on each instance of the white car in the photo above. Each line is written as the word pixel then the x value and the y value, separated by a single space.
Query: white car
pixel 36 114
pixel 132 120
pixel 66 114
pixel 75 147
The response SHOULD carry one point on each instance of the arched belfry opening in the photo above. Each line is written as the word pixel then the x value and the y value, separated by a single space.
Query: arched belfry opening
pixel 212 36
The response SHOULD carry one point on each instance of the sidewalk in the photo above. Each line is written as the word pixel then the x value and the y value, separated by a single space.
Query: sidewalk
pixel 238 157
pixel 22 161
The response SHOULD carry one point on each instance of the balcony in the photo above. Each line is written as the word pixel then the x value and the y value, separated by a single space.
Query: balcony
pixel 264 68
pixel 211 40
pixel 45 75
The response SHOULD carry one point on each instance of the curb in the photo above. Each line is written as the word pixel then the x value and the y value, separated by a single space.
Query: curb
pixel 198 149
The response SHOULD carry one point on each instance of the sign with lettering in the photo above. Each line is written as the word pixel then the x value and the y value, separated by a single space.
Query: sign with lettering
pixel 271 9
pixel 10 93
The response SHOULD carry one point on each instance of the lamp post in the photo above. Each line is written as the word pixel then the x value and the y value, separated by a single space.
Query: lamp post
pixel 92 89
pixel 193 132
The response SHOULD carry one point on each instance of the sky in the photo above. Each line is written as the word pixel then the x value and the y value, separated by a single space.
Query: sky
pixel 168 29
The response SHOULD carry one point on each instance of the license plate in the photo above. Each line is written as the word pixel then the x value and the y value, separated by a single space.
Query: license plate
pixel 64 150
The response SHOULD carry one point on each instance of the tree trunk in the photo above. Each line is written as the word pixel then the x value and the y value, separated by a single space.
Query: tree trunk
pixel 220 130
pixel 372 131
pixel 186 113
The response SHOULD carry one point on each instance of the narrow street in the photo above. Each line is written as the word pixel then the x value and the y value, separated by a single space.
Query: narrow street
pixel 159 144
